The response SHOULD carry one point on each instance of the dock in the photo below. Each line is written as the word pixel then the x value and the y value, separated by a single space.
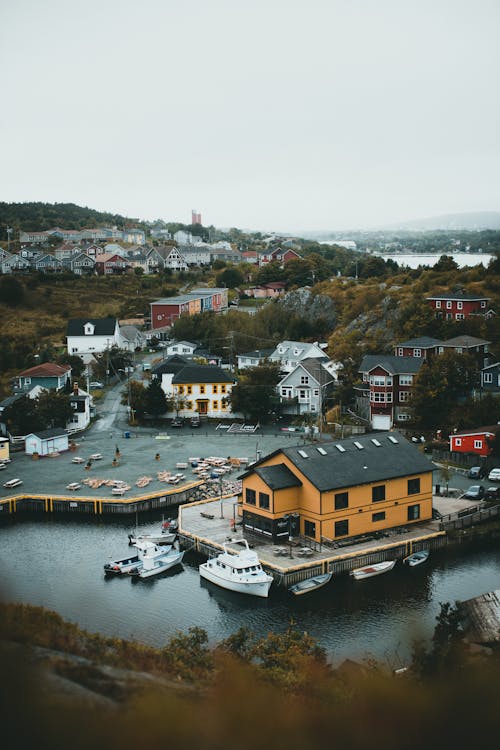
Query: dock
pixel 481 617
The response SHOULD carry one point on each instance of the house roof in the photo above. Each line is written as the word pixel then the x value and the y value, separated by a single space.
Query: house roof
pixel 130 332
pixel 257 354
pixel 278 477
pixel 202 374
pixel 102 326
pixel 46 370
pixel 491 429
pixel 290 346
pixel 467 342
pixel 488 367
pixel 392 364
pixel 382 456
pixel 422 342
pixel 170 365
pixel 53 432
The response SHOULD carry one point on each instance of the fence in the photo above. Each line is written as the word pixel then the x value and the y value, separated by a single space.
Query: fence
pixel 465 519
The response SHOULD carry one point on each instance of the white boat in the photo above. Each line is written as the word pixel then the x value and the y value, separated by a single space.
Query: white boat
pixel 310 584
pixel 153 563
pixel 417 558
pixel 373 570
pixel 126 564
pixel 239 571
pixel 160 539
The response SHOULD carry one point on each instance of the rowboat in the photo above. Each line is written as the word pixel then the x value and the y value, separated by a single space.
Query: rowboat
pixel 310 584
pixel 373 570
pixel 417 558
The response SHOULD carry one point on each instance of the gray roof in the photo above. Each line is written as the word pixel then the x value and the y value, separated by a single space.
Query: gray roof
pixel 170 365
pixel 102 326
pixel 258 354
pixel 460 296
pixel 329 468
pixel 315 368
pixel 202 374
pixel 465 341
pixel 53 432
pixel 393 365
pixel 278 477
pixel 423 342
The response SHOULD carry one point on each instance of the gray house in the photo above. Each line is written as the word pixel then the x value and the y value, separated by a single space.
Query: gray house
pixel 304 390
pixel 490 378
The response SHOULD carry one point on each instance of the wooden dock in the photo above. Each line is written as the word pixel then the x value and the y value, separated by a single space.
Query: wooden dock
pixel 481 617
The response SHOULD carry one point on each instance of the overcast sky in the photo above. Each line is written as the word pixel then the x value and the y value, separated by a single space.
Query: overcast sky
pixel 262 114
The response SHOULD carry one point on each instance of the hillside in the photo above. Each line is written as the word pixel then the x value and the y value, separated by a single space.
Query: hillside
pixel 38 217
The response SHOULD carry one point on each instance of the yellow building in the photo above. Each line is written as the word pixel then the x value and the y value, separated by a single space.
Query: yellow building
pixel 362 485
pixel 4 449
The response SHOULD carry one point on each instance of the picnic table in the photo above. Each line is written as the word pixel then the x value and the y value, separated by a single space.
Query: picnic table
pixel 77 460
pixel 13 483
pixel 96 456
pixel 73 486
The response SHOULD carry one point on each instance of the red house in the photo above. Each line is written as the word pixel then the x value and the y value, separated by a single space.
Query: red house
pixel 279 255
pixel 424 347
pixel 458 306
pixel 473 441
pixel 109 263
pixel 386 390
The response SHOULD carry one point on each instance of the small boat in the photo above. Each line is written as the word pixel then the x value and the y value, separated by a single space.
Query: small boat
pixel 239 571
pixel 169 525
pixel 152 563
pixel 310 584
pixel 120 567
pixel 160 539
pixel 373 570
pixel 417 558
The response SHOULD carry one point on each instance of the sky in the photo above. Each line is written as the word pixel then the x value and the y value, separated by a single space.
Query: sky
pixel 271 115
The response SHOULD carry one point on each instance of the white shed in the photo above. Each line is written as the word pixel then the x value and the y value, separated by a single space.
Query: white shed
pixel 46 442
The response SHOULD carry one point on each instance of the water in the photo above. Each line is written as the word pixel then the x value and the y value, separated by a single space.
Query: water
pixel 414 260
pixel 59 564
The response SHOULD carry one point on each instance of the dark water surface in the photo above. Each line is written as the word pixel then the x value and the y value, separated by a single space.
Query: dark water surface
pixel 59 564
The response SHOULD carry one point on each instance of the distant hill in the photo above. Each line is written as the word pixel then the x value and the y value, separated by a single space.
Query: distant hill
pixel 477 220
pixel 38 217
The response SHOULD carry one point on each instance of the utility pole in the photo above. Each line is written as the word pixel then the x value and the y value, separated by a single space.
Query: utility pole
pixel 9 232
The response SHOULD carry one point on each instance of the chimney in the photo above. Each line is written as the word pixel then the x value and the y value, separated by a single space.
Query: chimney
pixel 75 388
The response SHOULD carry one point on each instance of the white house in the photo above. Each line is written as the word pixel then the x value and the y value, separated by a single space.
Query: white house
pixel 181 347
pixel 80 403
pixel 92 335
pixel 46 442
pixel 253 359
pixel 175 260
pixel 304 390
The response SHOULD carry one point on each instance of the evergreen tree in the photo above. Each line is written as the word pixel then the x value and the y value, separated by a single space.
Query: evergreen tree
pixel 156 402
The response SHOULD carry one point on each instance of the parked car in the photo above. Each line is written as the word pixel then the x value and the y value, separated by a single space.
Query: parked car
pixel 474 472
pixel 177 422
pixel 96 384
pixel 494 475
pixel 475 492
pixel 195 422
pixel 492 493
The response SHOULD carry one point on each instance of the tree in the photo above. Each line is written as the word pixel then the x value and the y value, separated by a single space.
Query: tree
pixel 255 394
pixel 230 278
pixel 11 291
pixel 53 409
pixel 156 402
pixel 21 417
pixel 138 398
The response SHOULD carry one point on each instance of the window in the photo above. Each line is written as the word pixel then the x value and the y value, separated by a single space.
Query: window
pixel 214 389
pixel 188 405
pixel 487 377
pixel 401 352
pixel 405 379
pixel 460 305
pixel 304 380
pixel 417 352
pixel 448 305
pixel 263 500
pixel 378 493
pixel 459 316
pixel 413 512
pixel 223 389
pixel 310 529
pixel 190 389
pixel 378 516
pixel 438 304
pixel 404 396
pixel 341 528
pixel 215 404
pixel 202 389
pixel 458 441
pixel 414 486
pixel 381 398
pixel 303 395
pixel 341 500
pixel 483 303
pixel 380 380
pixel 478 443
pixel 250 496
pixel 181 389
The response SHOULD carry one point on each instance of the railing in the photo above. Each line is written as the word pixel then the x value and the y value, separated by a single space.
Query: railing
pixel 468 518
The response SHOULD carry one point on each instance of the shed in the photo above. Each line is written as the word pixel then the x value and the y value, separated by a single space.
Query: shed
pixel 46 442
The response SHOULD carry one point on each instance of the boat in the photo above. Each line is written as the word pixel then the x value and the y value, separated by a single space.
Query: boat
pixel 152 563
pixel 239 571
pixel 125 565
pixel 373 570
pixel 310 584
pixel 417 558
pixel 170 525
pixel 161 539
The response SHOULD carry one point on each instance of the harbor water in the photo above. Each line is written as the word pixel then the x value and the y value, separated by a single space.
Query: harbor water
pixel 58 563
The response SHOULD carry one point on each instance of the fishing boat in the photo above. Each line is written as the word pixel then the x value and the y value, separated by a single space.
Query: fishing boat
pixel 160 539
pixel 126 564
pixel 373 570
pixel 151 563
pixel 310 584
pixel 239 571
pixel 417 558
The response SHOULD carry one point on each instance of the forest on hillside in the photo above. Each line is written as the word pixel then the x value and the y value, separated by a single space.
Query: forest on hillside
pixel 38 217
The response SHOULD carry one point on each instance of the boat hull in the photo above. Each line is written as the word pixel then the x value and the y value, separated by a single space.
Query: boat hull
pixel 253 588
pixel 161 564
pixel 121 567
pixel 369 571
pixel 310 584
pixel 417 558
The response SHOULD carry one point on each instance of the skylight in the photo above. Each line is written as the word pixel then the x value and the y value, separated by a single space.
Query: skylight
pixel 322 451
pixel 392 439
pixel 358 445
pixel 376 442
pixel 303 454
pixel 340 448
